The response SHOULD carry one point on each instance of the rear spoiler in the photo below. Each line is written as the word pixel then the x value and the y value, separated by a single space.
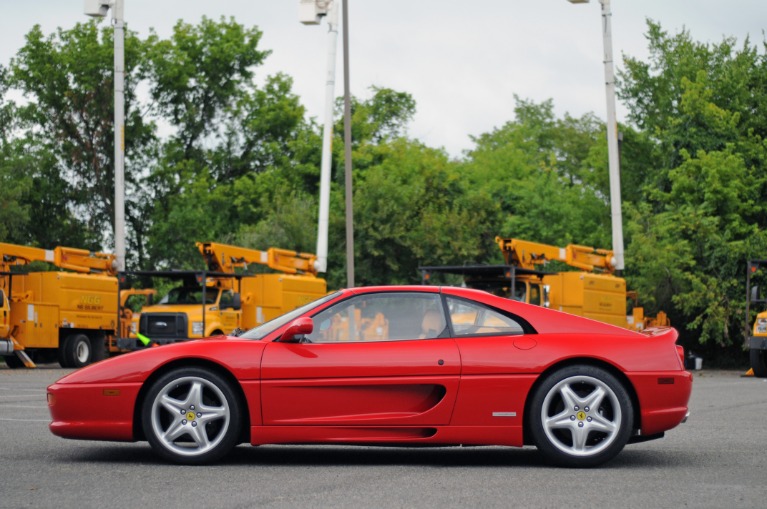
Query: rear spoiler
pixel 655 332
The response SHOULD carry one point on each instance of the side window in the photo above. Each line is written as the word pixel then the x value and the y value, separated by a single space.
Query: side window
pixel 381 317
pixel 472 319
pixel 227 299
pixel 520 291
pixel 535 294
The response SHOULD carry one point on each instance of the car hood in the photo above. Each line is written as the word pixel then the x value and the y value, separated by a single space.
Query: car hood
pixel 239 356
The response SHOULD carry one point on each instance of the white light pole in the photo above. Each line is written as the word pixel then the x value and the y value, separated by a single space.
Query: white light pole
pixel 310 13
pixel 99 8
pixel 348 154
pixel 612 133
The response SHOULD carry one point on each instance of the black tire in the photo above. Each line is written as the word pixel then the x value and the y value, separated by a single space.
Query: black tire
pixel 580 416
pixel 759 362
pixel 13 362
pixel 77 351
pixel 61 354
pixel 191 416
pixel 44 356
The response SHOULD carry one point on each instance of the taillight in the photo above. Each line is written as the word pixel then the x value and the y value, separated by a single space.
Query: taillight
pixel 680 353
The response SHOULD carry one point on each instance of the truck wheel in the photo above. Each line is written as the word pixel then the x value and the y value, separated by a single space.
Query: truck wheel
pixel 78 351
pixel 99 345
pixel 13 362
pixel 758 362
pixel 580 416
pixel 61 352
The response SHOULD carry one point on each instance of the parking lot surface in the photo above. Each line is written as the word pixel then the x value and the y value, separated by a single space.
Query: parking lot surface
pixel 717 459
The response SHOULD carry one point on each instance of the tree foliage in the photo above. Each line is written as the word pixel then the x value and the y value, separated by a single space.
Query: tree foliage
pixel 702 214
pixel 543 175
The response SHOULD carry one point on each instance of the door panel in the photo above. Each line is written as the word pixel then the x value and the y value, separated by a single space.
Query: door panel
pixel 382 383
pixel 497 373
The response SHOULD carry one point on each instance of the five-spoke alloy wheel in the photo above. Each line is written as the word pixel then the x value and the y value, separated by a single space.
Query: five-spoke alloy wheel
pixel 191 416
pixel 581 416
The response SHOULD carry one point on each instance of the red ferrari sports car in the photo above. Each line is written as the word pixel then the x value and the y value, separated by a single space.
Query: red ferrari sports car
pixel 390 366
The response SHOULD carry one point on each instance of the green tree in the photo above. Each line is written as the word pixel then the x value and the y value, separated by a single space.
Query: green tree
pixel 702 213
pixel 68 120
pixel 14 214
pixel 543 174
pixel 237 149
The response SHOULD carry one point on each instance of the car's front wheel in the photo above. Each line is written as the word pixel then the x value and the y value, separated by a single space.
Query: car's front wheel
pixel 581 416
pixel 191 416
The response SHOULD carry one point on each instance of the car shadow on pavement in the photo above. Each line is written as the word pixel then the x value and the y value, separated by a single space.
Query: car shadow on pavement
pixel 324 456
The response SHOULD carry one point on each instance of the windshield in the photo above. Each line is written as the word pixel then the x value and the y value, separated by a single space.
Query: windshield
pixel 190 295
pixel 265 329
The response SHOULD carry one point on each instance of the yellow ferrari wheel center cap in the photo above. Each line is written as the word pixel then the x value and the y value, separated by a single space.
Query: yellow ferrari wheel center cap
pixel 581 415
pixel 190 416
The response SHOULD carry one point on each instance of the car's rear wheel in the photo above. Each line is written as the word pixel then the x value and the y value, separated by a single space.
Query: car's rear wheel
pixel 191 416
pixel 759 362
pixel 581 416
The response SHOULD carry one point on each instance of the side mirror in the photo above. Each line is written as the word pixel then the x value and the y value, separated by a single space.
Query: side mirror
pixel 297 329
pixel 2 298
pixel 755 292
pixel 236 303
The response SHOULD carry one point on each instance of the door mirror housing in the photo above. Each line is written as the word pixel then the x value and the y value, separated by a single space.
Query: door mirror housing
pixel 297 329
pixel 236 302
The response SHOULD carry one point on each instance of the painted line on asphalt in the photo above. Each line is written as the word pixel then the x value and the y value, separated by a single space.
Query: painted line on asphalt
pixel 25 420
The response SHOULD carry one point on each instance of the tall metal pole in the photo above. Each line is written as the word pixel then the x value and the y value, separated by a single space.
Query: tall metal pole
pixel 119 134
pixel 327 141
pixel 348 154
pixel 612 138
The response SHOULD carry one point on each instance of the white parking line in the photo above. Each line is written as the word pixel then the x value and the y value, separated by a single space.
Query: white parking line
pixel 25 420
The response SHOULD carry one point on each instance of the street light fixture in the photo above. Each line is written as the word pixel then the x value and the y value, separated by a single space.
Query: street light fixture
pixel 99 8
pixel 612 133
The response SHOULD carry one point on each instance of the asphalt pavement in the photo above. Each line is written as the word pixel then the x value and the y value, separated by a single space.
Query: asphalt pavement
pixel 717 459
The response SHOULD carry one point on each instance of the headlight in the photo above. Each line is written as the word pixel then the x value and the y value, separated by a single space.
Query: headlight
pixel 761 326
pixel 133 328
pixel 197 328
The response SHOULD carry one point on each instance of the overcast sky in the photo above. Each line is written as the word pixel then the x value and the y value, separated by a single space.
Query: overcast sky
pixel 462 61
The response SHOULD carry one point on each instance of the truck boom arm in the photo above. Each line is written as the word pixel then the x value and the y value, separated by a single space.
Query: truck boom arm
pixel 224 258
pixel 77 260
pixel 525 254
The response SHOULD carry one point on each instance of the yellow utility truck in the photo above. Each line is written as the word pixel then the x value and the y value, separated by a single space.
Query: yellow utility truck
pixel 66 315
pixel 592 291
pixel 226 296
pixel 756 276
